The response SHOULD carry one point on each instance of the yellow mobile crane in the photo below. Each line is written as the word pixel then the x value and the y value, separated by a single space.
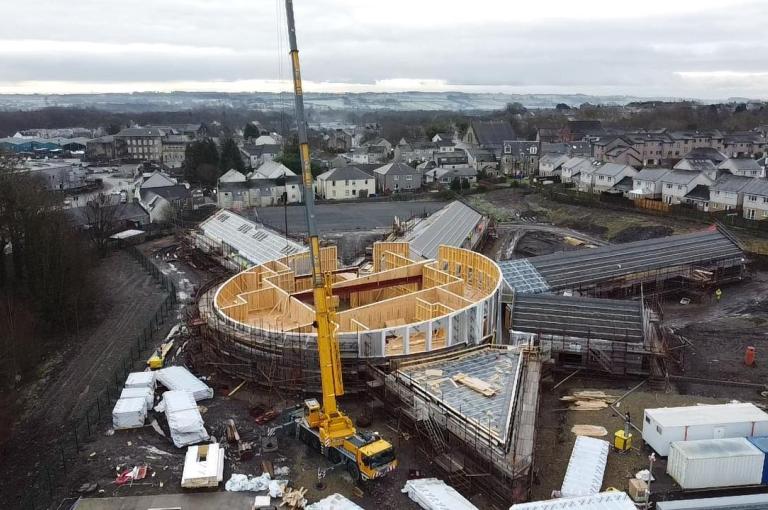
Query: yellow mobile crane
pixel 325 427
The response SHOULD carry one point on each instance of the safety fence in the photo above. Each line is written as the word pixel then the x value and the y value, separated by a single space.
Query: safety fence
pixel 52 473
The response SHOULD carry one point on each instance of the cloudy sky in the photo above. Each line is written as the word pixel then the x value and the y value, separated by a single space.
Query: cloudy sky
pixel 681 48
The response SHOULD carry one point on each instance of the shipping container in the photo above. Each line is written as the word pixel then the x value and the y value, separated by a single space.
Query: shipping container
pixel 664 425
pixel 762 444
pixel 713 463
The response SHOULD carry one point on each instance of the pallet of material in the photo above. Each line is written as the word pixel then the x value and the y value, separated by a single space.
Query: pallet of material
pixel 129 413
pixel 203 466
pixel 475 384
pixel 180 379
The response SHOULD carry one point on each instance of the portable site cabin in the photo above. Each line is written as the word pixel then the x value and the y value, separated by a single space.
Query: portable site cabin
pixel 665 425
pixel 713 463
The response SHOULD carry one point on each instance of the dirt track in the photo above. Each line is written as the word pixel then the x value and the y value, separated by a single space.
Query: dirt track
pixel 70 381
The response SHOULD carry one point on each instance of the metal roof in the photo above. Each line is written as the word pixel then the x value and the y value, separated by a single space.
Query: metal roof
pixel 571 269
pixel 757 187
pixel 601 501
pixel 749 502
pixel 523 277
pixel 706 415
pixel 252 241
pixel 606 319
pixel 717 448
pixel 451 226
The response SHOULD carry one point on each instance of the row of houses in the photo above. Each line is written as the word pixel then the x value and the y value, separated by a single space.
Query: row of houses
pixel 735 184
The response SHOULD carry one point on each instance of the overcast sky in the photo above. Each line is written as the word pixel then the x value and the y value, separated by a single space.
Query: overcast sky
pixel 681 48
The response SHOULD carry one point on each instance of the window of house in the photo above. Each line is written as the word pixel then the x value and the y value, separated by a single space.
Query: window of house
pixel 658 429
pixel 669 186
pixel 346 182
pixel 396 178
pixel 346 192
pixel 647 419
pixel 602 178
pixel 752 198
pixel 408 177
pixel 679 187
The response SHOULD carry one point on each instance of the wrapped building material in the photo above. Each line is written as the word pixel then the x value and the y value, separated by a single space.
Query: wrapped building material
pixel 146 393
pixel 334 502
pixel 586 467
pixel 141 380
pixel 203 466
pixel 601 501
pixel 184 420
pixel 129 413
pixel 180 379
pixel 434 494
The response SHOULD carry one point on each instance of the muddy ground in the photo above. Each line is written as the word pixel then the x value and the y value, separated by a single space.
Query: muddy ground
pixel 555 439
pixel 70 380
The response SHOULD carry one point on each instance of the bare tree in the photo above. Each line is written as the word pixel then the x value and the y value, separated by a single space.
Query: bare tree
pixel 102 214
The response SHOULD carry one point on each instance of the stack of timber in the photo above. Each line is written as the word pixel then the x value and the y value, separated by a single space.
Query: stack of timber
pixel 588 400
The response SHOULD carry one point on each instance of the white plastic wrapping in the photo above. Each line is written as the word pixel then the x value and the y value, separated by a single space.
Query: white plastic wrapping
pixel 180 379
pixel 184 420
pixel 129 413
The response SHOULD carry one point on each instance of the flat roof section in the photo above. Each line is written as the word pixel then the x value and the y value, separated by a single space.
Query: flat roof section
pixel 706 415
pixel 497 367
pixel 198 501
pixel 451 226
pixel 571 269
pixel 605 319
pixel 523 277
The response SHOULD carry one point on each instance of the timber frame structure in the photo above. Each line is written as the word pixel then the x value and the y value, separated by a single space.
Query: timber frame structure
pixel 258 324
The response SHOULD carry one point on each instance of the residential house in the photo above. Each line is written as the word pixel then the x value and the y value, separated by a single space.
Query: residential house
pixel 586 177
pixel 266 140
pixel 453 159
pixel 396 177
pixel 727 192
pixel 625 155
pixel 676 184
pixel 403 151
pixel 520 157
pixel 443 177
pixel 483 160
pixel 100 149
pixel 745 167
pixel 445 146
pixel 570 171
pixel 704 166
pixel 380 142
pixel 705 153
pixel 572 149
pixel 175 149
pixel 756 200
pixel 344 183
pixel 339 140
pixel 161 196
pixel 140 143
pixel 369 154
pixel 648 183
pixel 442 137
pixel 550 164
pixel 489 135
pixel 610 175
pixel 256 155
pixel 743 144
pixel 126 215
pixel 271 184
pixel 548 135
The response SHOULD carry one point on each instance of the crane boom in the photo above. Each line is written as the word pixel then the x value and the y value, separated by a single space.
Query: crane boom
pixel 334 426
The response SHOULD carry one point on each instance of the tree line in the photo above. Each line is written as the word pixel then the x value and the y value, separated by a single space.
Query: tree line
pixel 45 267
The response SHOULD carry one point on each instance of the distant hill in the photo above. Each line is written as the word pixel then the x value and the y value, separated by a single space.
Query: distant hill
pixel 368 101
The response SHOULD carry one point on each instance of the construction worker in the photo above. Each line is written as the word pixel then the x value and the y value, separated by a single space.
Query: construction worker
pixel 718 294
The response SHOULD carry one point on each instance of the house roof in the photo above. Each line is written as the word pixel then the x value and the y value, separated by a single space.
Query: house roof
pixel 554 159
pixel 700 165
pixel 258 150
pixel 740 164
pixel 612 169
pixel 264 140
pixel 706 153
pixel 680 176
pixel 757 186
pixel 730 183
pixel 271 170
pixel 127 211
pixel 493 132
pixel 462 171
pixel 175 192
pixel 141 131
pixel 232 175
pixel 343 173
pixel 651 174
pixel 624 185
pixel 396 168
pixel 700 192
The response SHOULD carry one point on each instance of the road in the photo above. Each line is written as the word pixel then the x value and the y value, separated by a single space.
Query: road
pixel 347 217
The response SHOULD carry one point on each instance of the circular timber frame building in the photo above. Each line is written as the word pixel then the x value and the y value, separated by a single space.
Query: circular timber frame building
pixel 257 325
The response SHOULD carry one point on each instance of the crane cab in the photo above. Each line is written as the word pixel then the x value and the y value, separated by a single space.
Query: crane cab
pixel 312 413
pixel 374 456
